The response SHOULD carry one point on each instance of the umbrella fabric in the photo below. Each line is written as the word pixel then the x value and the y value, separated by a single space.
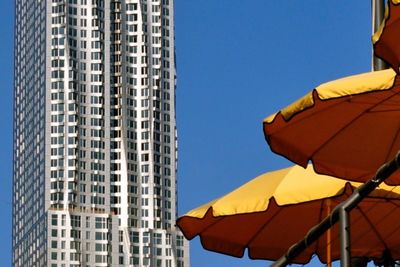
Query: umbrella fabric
pixel 348 128
pixel 386 39
pixel 275 210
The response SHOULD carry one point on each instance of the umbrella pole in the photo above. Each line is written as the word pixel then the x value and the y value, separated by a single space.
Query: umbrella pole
pixel 344 225
pixel 378 14
pixel 328 238
pixel 317 231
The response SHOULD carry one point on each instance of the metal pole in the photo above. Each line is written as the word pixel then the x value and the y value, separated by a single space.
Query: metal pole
pixel 378 14
pixel 317 231
pixel 345 252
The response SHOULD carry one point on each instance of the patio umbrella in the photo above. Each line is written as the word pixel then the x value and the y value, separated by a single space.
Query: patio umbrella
pixel 348 127
pixel 386 39
pixel 271 212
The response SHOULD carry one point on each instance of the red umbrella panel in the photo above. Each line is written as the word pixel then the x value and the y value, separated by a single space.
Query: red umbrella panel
pixel 348 127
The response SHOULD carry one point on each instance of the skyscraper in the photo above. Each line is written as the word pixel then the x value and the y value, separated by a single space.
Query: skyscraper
pixel 95 148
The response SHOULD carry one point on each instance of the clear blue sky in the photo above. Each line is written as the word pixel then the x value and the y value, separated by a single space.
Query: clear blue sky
pixel 238 61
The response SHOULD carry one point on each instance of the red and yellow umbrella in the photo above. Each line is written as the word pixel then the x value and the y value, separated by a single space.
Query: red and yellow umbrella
pixel 348 127
pixel 273 211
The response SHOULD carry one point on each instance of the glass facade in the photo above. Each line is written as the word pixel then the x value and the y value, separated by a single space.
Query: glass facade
pixel 95 147
pixel 29 214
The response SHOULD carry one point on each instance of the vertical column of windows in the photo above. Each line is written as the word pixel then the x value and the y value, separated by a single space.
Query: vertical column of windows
pixel 95 100
pixel 158 103
pixel 58 63
pixel 131 29
pixel 83 106
pixel 131 32
pixel 71 106
pixel 116 106
pixel 144 123
pixel 168 116
pixel 121 137
pixel 163 118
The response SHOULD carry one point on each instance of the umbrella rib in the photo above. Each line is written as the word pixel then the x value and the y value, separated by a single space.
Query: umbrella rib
pixel 394 139
pixel 218 219
pixel 372 227
pixel 397 206
pixel 212 224
pixel 299 121
pixel 391 201
pixel 349 123
pixel 392 144
pixel 261 228
pixel 321 209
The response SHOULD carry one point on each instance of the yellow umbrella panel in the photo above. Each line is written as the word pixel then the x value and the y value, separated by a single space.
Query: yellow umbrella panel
pixel 348 127
pixel 275 210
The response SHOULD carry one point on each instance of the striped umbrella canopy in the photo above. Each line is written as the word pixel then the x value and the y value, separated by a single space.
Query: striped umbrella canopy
pixel 348 127
pixel 273 211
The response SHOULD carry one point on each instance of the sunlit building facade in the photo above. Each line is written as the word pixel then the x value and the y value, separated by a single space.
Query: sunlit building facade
pixel 95 143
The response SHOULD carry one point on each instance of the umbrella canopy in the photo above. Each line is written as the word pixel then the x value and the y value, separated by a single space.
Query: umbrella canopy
pixel 273 211
pixel 386 39
pixel 348 127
